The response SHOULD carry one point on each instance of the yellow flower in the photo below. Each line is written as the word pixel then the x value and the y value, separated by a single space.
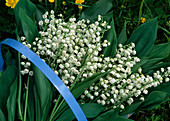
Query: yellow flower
pixel 51 1
pixel 80 7
pixel 11 3
pixel 122 6
pixel 143 20
pixel 79 1
pixel 169 22
pixel 64 2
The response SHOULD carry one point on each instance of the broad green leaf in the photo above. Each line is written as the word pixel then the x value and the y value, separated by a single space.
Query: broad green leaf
pixel 160 51
pixel 37 105
pixel 82 86
pixel 149 72
pixel 9 58
pixel 44 91
pixel 122 38
pixel 28 6
pixel 110 115
pixel 39 12
pixel 107 17
pixel 5 84
pixel 112 38
pixel 167 59
pixel 154 99
pixel 11 102
pixel 151 62
pixel 29 9
pixel 164 87
pixel 154 105
pixel 131 108
pixel 91 110
pixel 156 66
pixel 99 8
pixel 119 118
pixel 31 101
pixel 2 116
pixel 28 25
pixel 144 37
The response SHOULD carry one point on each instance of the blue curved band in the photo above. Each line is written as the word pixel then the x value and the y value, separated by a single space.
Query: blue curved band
pixel 48 72
pixel 128 115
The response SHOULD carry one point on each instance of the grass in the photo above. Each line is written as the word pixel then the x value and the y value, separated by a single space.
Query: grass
pixel 7 22
pixel 160 113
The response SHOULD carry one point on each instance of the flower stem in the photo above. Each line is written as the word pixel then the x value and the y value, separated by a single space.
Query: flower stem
pixel 26 99
pixel 19 89
pixel 53 111
pixel 58 107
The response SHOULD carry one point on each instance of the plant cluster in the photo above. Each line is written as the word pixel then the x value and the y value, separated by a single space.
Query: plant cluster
pixel 73 50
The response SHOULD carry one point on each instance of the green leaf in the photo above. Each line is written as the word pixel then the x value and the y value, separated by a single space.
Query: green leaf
pixel 28 6
pixel 150 72
pixel 122 38
pixel 131 108
pixel 108 16
pixel 151 62
pixel 40 10
pixel 28 25
pixel 31 101
pixel 167 59
pixel 160 51
pixel 29 9
pixel 2 116
pixel 144 37
pixel 91 110
pixel 44 91
pixel 82 86
pixel 9 58
pixel 99 8
pixel 110 115
pixel 5 84
pixel 11 102
pixel 112 38
pixel 120 118
pixel 37 105
pixel 164 87
pixel 154 99
pixel 156 66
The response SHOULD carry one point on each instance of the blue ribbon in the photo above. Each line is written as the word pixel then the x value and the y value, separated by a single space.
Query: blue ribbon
pixel 128 115
pixel 48 72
